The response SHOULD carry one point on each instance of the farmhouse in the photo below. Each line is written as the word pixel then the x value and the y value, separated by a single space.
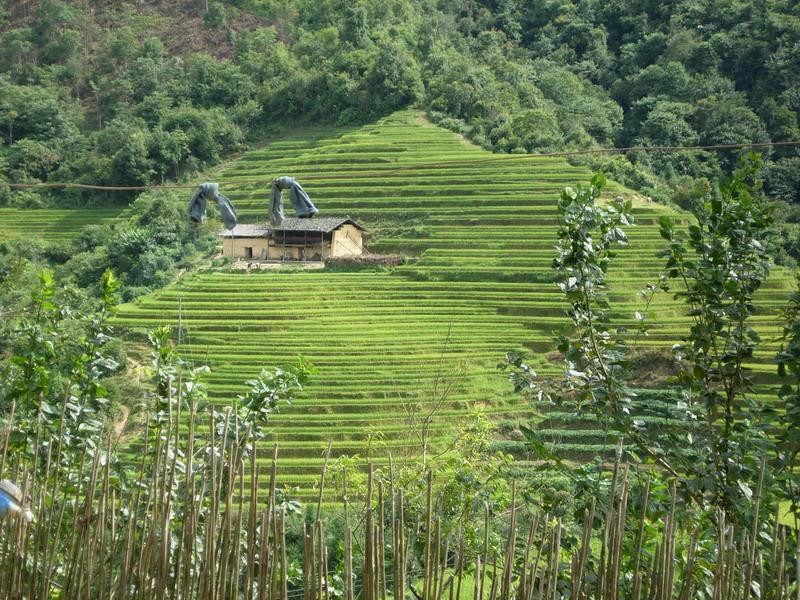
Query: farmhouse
pixel 295 239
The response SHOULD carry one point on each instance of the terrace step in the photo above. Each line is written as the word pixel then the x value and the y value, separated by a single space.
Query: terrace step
pixel 391 346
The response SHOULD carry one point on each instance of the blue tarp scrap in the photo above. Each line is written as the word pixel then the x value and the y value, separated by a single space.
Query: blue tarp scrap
pixel 11 501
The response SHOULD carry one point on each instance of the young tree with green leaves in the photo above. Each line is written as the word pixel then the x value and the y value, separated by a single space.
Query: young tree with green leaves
pixel 596 358
pixel 787 461
pixel 717 269
pixel 53 380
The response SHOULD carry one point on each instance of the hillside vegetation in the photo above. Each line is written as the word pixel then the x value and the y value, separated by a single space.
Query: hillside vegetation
pixel 120 93
pixel 52 225
pixel 404 356
pixel 590 350
pixel 112 93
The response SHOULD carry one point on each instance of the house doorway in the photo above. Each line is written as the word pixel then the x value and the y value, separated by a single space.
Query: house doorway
pixel 248 252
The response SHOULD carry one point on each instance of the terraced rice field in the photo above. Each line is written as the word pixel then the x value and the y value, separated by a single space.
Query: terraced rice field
pixel 51 224
pixel 422 342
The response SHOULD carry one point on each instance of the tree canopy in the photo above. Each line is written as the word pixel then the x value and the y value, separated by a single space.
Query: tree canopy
pixel 117 96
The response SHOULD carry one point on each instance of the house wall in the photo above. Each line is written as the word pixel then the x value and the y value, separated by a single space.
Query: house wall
pixel 235 248
pixel 278 252
pixel 347 241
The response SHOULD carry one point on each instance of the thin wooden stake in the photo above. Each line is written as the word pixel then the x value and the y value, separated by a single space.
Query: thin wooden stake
pixel 428 540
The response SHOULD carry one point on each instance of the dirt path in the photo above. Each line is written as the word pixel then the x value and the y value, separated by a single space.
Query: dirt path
pixel 120 423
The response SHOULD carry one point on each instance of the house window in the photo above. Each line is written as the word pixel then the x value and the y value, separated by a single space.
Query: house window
pixel 248 252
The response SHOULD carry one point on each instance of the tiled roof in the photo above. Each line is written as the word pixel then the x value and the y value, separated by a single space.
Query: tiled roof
pixel 315 224
pixel 318 224
pixel 247 231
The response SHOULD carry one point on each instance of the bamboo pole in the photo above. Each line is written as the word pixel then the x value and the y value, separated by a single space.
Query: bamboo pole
pixel 540 556
pixel 493 591
pixel 436 558
pixel 320 554
pixel 402 553
pixel 508 566
pixel 116 547
pixel 460 570
pixel 348 543
pixel 579 573
pixel 478 592
pixel 428 539
pixel 251 526
pixel 485 551
pixel 284 577
pixel 368 570
pixel 381 545
pixel 797 566
pixel 555 554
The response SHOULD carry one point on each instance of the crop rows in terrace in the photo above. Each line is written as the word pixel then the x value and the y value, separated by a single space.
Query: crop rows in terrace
pixel 394 349
pixel 51 224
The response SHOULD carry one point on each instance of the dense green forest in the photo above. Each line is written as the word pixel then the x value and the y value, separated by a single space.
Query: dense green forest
pixel 692 469
pixel 132 93
pixel 144 92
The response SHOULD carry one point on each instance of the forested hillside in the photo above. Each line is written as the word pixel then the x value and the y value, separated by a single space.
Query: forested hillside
pixel 403 358
pixel 527 348
pixel 133 93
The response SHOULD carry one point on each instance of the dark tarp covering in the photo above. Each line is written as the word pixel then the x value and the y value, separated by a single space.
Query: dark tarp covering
pixel 301 203
pixel 199 204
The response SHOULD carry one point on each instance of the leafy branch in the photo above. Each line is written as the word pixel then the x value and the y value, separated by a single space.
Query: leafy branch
pixel 597 363
pixel 788 458
pixel 719 266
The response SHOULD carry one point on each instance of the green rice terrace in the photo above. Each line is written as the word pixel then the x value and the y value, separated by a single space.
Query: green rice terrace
pixel 52 225
pixel 420 344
